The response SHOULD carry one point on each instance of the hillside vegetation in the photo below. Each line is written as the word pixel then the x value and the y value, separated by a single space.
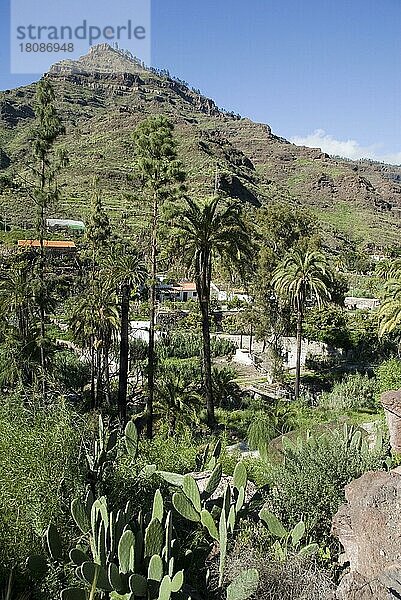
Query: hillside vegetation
pixel 104 95
pixel 186 386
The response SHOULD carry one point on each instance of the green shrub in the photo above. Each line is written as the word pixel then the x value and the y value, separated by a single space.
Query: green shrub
pixel 138 350
pixel 365 345
pixel 176 453
pixel 260 432
pixel 354 392
pixel 296 578
pixel 222 347
pixel 327 325
pixel 389 375
pixel 184 345
pixel 237 303
pixel 191 322
pixel 40 470
pixel 169 453
pixel 140 311
pixel 226 392
pixel 188 369
pixel 69 372
pixel 273 421
pixel 310 482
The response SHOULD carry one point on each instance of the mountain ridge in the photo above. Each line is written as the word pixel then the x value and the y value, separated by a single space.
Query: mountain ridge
pixel 103 95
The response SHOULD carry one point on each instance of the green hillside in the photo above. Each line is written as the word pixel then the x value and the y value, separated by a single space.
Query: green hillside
pixel 103 96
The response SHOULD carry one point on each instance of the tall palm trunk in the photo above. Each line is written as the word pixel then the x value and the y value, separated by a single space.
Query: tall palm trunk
pixel 99 378
pixel 152 302
pixel 299 348
pixel 106 370
pixel 207 364
pixel 124 354
pixel 203 289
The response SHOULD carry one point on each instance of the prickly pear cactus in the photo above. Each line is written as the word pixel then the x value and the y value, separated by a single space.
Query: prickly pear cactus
pixel 219 516
pixel 131 439
pixel 244 585
pixel 287 539
pixel 119 554
pixel 101 454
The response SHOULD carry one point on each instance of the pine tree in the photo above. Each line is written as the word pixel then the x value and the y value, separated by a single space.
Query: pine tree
pixel 99 298
pixel 46 164
pixel 159 172
pixel 98 229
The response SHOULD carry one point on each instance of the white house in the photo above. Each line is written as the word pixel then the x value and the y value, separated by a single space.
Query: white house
pixel 227 295
pixel 361 303
pixel 185 290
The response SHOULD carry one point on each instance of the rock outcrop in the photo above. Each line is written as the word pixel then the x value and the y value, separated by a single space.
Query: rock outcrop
pixel 369 528
pixel 117 71
pixel 11 114
pixel 392 407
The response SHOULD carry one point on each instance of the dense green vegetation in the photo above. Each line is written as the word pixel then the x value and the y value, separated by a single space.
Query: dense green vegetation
pixel 155 466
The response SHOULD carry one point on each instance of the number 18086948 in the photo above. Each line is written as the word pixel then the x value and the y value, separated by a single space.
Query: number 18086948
pixel 43 47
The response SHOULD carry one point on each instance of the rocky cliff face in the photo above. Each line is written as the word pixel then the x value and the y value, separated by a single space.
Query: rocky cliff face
pixel 121 73
pixel 101 58
pixel 13 113
pixel 369 529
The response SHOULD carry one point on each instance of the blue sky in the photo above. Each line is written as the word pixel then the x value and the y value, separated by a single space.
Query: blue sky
pixel 320 72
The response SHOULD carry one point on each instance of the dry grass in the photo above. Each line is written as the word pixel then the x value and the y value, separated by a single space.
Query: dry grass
pixel 295 579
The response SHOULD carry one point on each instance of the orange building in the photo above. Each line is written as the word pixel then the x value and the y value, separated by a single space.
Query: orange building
pixel 51 244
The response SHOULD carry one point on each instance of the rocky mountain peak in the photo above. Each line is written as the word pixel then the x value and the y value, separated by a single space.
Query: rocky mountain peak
pixel 117 71
pixel 102 59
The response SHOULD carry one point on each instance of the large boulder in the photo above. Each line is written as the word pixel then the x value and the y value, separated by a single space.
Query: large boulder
pixel 369 528
pixel 203 478
pixel 355 587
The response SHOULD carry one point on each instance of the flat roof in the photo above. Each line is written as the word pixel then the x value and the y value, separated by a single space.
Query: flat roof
pixel 185 286
pixel 47 244
pixel 65 223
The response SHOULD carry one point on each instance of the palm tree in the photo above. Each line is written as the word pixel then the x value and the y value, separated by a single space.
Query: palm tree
pixel 226 392
pixel 390 311
pixel 17 297
pixel 389 269
pixel 94 322
pixel 303 275
pixel 206 231
pixel 178 399
pixel 127 271
pixel 20 320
